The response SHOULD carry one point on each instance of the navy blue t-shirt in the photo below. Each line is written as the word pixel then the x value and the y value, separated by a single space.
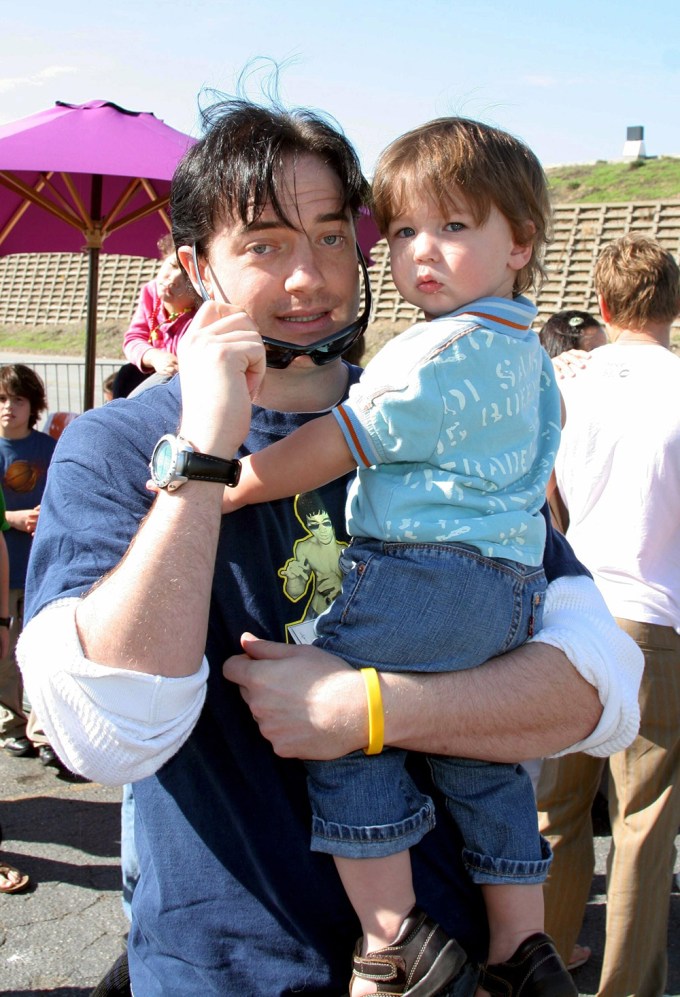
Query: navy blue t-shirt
pixel 231 900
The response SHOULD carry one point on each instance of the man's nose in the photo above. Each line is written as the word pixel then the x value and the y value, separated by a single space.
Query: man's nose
pixel 305 274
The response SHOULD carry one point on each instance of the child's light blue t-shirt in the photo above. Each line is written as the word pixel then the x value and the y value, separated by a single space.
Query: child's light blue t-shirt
pixel 455 426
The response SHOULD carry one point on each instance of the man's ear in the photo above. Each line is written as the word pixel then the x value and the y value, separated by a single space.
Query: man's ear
pixel 186 258
pixel 604 310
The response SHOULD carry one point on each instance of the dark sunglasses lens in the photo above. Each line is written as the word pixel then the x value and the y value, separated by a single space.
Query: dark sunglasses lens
pixel 334 350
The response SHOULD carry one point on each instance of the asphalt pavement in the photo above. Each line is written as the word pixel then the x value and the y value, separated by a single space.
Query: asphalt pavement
pixel 61 935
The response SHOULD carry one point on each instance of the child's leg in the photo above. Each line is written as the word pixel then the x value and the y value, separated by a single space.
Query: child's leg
pixel 401 946
pixel 381 893
pixel 514 912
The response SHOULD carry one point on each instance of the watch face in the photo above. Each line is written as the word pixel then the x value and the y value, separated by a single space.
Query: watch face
pixel 163 462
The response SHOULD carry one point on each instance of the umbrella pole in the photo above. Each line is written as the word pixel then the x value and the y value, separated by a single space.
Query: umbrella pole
pixel 91 327
pixel 94 242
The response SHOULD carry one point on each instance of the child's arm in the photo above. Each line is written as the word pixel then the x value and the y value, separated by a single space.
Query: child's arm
pixel 310 457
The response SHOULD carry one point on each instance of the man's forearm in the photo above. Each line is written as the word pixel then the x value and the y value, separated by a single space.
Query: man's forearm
pixel 150 613
pixel 528 704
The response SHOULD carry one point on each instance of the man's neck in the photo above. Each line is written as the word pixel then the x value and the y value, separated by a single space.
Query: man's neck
pixel 651 334
pixel 305 388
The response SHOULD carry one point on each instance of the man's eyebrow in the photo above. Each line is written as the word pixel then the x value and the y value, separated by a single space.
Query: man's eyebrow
pixel 265 225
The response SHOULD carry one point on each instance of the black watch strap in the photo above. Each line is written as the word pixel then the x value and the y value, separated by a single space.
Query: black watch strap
pixel 6 621
pixel 205 467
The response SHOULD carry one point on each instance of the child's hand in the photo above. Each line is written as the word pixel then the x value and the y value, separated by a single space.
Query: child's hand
pixel 162 362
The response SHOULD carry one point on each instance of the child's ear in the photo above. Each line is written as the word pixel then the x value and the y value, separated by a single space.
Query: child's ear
pixel 523 246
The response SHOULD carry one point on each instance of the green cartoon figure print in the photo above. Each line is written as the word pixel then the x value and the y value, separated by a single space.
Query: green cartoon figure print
pixel 313 572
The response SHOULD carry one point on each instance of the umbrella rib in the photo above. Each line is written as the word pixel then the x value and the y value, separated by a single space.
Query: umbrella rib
pixel 19 187
pixel 153 194
pixel 134 216
pixel 77 200
pixel 120 203
pixel 20 211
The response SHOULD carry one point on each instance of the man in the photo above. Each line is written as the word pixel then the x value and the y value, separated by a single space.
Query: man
pixel 619 472
pixel 230 898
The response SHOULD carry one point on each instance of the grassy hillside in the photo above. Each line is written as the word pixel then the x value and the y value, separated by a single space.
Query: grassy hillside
pixel 602 182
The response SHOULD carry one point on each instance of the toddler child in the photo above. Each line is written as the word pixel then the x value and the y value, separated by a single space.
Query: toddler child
pixel 454 427
pixel 166 306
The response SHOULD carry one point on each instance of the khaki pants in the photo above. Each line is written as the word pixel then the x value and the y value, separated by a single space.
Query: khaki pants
pixel 644 807
pixel 13 719
pixel 12 716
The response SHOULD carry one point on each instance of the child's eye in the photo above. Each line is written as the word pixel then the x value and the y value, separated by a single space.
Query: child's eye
pixel 454 227
pixel 406 232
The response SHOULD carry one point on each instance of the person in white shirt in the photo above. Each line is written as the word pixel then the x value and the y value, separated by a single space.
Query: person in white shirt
pixel 618 470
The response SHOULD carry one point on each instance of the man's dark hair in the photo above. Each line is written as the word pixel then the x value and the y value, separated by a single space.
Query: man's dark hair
pixel 237 167
pixel 22 381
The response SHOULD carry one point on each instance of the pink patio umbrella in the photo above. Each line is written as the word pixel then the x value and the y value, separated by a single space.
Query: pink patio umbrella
pixel 92 176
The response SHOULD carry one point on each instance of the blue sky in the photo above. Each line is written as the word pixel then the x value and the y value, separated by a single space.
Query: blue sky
pixel 568 78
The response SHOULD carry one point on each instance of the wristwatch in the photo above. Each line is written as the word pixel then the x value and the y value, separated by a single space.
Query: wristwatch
pixel 174 461
pixel 6 621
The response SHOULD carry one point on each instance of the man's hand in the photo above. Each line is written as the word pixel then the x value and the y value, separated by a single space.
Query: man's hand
pixel 222 363
pixel 307 702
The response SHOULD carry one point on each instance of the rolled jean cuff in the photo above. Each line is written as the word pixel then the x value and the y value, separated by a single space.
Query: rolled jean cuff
pixel 353 842
pixel 487 870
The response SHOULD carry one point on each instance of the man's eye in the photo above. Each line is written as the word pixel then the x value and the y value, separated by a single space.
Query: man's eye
pixel 333 240
pixel 260 249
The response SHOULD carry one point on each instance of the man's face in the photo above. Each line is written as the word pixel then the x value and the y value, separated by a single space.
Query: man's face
pixel 297 284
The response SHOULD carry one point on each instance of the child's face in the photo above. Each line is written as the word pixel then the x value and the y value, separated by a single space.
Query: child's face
pixel 441 262
pixel 172 286
pixel 15 413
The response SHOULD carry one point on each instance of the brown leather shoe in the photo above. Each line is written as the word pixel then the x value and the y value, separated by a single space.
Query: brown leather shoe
pixel 535 970
pixel 421 960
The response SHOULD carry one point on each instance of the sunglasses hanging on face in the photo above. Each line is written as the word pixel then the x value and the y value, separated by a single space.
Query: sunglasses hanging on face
pixel 281 354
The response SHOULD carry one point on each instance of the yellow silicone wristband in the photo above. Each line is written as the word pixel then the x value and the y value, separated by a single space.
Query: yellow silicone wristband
pixel 376 717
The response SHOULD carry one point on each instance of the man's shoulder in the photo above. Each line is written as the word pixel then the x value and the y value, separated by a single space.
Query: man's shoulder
pixel 123 422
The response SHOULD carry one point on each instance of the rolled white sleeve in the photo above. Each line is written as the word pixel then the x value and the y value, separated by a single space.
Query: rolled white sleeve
pixel 576 620
pixel 111 725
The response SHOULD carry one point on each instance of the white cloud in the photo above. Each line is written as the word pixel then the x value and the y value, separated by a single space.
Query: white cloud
pixel 36 80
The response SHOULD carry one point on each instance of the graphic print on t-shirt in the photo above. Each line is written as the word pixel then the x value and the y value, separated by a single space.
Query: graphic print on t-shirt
pixel 312 574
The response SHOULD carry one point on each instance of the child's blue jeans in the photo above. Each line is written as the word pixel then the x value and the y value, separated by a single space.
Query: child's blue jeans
pixel 429 607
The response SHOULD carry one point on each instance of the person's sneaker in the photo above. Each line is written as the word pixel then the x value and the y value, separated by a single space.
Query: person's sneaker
pixel 535 970
pixel 20 747
pixel 421 960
